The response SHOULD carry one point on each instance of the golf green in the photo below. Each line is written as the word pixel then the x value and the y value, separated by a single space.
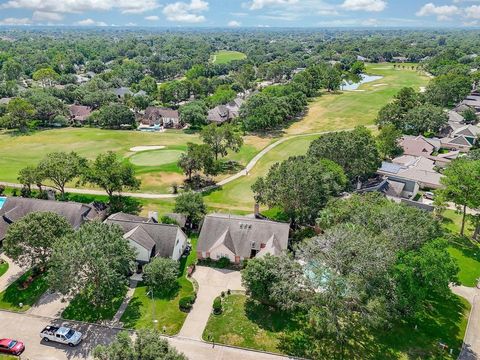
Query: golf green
pixel 155 158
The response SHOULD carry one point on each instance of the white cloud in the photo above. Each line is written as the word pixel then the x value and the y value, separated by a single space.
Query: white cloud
pixel 443 13
pixel 152 18
pixel 234 23
pixel 15 21
pixel 364 5
pixel 46 16
pixel 473 12
pixel 80 6
pixel 186 12
pixel 260 4
pixel 90 22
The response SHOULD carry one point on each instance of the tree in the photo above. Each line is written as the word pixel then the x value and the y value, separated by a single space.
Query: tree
pixel 245 76
pixel 112 174
pixel 161 274
pixel 19 113
pixel 355 151
pixel 448 89
pixel 29 176
pixel 424 118
pixel 300 187
pixel 47 106
pixel 275 281
pixel 93 261
pixel 263 111
pixel 222 95
pixel 97 66
pixel 45 76
pixel 148 345
pixel 114 116
pixel 192 206
pixel 331 79
pixel 388 141
pixel 461 183
pixel 11 70
pixel 221 139
pixel 194 113
pixel 149 85
pixel 197 158
pixel 470 116
pixel 30 240
pixel 61 168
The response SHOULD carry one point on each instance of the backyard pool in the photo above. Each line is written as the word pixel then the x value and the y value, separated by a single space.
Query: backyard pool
pixel 2 201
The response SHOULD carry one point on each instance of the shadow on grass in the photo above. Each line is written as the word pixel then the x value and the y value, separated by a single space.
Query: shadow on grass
pixel 271 319
pixel 80 308
pixel 16 293
pixel 133 313
pixel 468 247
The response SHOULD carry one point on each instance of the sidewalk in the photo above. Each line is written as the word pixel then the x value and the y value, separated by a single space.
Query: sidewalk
pixel 13 273
pixel 131 290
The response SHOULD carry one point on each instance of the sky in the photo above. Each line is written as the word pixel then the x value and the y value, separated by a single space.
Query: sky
pixel 242 13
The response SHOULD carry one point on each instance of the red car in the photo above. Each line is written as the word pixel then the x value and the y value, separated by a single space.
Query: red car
pixel 10 346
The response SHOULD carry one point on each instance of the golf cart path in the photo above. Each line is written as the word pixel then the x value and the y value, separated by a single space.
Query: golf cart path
pixel 244 172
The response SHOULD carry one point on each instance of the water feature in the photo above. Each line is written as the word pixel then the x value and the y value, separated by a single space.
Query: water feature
pixel 354 85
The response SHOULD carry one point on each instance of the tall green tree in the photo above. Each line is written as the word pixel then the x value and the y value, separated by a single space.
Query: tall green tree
pixel 19 114
pixel 388 141
pixel 161 275
pixel 194 113
pixel 30 240
pixel 11 70
pixel 114 116
pixel 221 139
pixel 93 261
pixel 197 158
pixel 148 345
pixel 300 186
pixel 61 168
pixel 45 76
pixel 355 151
pixel 111 173
pixel 191 205
pixel 461 183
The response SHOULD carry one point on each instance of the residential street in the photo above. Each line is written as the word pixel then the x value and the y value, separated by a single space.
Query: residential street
pixel 26 327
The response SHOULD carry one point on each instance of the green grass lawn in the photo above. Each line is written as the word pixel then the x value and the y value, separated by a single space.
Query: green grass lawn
pixel 347 109
pixel 142 310
pixel 226 56
pixel 253 326
pixel 14 295
pixel 464 250
pixel 3 267
pixel 156 157
pixel 82 310
pixel 8 357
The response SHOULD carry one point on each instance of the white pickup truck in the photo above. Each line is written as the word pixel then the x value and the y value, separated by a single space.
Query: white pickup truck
pixel 62 335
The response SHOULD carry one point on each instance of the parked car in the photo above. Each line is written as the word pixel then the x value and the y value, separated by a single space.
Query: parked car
pixel 429 195
pixel 62 335
pixel 12 347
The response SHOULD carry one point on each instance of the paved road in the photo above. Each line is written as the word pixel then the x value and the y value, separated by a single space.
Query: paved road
pixel 471 341
pixel 211 282
pixel 26 327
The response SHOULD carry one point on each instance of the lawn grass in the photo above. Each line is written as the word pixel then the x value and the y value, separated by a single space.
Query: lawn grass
pixel 462 248
pixel 12 296
pixel 226 56
pixel 82 310
pixel 142 310
pixel 8 357
pixel 155 157
pixel 253 326
pixel 347 109
pixel 3 267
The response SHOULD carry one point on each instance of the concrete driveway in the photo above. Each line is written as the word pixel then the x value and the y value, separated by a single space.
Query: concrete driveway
pixel 50 304
pixel 471 342
pixel 211 283
pixel 13 273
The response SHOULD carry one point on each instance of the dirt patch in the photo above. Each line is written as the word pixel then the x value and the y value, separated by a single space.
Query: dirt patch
pixel 147 148
pixel 164 180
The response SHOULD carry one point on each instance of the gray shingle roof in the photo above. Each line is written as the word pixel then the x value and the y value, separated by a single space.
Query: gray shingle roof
pixel 163 235
pixel 241 234
pixel 17 207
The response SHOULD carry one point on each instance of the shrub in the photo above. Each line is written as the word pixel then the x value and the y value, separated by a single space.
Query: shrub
pixel 185 304
pixel 217 305
pixel 222 294
pixel 223 262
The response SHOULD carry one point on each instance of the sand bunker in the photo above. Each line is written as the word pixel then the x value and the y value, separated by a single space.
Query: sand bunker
pixel 423 89
pixel 146 148
pixel 379 85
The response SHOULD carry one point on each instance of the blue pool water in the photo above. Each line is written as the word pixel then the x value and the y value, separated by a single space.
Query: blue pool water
pixel 2 201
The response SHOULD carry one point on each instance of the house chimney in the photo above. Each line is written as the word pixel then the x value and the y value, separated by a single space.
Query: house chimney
pixel 256 210
pixel 153 215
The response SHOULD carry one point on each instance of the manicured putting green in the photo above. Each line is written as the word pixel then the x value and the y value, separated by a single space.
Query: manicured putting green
pixel 155 158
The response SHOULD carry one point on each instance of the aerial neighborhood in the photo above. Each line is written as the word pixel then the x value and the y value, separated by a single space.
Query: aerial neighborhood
pixel 241 193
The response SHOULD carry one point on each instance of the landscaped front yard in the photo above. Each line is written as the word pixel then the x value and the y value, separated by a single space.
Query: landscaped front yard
pixel 15 294
pixel 164 307
pixel 245 324
pixel 81 309
pixel 3 267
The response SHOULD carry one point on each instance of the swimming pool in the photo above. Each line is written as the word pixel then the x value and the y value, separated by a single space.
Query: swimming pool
pixel 2 201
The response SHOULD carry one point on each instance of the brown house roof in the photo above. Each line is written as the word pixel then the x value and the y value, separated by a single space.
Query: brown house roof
pixel 80 112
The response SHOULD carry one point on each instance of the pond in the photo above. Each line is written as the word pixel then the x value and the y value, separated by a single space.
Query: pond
pixel 349 85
